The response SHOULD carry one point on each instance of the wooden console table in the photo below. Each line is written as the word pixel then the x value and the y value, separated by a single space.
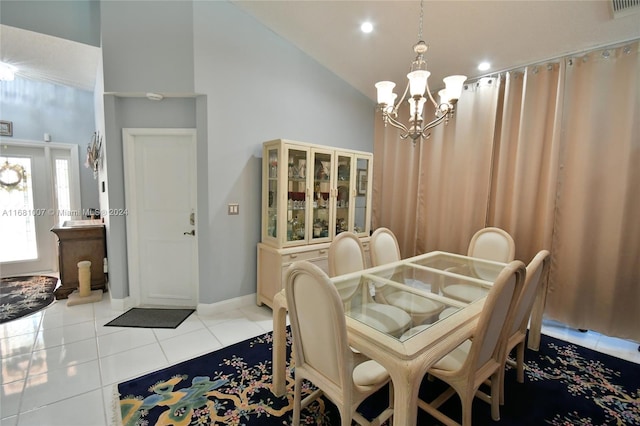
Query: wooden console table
pixel 77 243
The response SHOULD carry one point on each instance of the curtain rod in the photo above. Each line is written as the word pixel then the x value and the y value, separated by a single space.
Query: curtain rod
pixel 555 59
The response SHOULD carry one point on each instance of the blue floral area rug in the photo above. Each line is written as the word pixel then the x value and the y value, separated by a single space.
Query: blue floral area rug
pixel 20 296
pixel 564 385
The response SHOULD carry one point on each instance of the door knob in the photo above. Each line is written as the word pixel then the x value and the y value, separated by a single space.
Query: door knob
pixel 193 232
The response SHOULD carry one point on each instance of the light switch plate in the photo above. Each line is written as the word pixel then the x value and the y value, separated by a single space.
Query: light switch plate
pixel 233 208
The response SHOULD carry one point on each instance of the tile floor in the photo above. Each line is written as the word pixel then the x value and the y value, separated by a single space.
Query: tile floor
pixel 60 365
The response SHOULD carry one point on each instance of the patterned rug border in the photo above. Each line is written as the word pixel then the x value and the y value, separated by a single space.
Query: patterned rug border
pixel 582 387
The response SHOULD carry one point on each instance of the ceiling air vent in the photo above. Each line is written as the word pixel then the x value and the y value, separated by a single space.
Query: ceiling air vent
pixel 622 8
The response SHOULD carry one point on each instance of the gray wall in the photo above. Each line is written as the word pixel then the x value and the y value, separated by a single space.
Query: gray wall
pixel 36 108
pixel 77 20
pixel 239 85
pixel 259 87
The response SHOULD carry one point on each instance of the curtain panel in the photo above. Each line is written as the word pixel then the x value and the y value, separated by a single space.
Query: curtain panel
pixel 594 281
pixel 525 161
pixel 549 153
pixel 455 171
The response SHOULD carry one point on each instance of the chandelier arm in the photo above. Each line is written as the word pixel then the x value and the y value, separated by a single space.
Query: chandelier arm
pixel 398 125
pixel 444 117
pixel 397 105
pixel 433 101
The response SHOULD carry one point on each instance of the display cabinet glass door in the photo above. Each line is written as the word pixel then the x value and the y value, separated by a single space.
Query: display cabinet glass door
pixel 296 195
pixel 344 192
pixel 322 213
pixel 362 209
pixel 272 202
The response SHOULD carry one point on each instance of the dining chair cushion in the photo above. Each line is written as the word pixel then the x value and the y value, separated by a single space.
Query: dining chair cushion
pixel 413 331
pixel 369 373
pixel 455 359
pixel 448 311
pixel 413 303
pixel 465 292
pixel 386 318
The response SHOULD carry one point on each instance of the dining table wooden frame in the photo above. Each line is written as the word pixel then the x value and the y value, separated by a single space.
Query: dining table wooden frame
pixel 407 361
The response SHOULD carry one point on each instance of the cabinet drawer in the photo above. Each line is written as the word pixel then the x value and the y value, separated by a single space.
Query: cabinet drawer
pixel 309 255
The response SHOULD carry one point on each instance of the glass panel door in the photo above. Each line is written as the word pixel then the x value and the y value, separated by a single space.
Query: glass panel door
pixel 27 212
pixel 322 213
pixel 343 193
pixel 296 195
pixel 272 184
pixel 362 212
pixel 17 218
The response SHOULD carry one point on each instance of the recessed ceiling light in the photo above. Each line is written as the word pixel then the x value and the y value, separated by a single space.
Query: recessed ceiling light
pixel 366 27
pixel 483 66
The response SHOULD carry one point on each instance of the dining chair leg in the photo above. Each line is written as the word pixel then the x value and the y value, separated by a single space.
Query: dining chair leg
pixel 297 401
pixel 520 361
pixel 496 390
pixel 467 404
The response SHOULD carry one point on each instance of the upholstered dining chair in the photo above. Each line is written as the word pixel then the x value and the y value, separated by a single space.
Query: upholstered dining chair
pixel 488 243
pixel 475 360
pixel 321 349
pixel 384 249
pixel 346 254
pixel 536 273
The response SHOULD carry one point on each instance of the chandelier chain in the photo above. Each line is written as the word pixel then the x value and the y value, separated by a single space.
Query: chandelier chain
pixel 421 18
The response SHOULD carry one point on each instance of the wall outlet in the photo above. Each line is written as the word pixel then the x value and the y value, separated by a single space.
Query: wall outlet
pixel 233 208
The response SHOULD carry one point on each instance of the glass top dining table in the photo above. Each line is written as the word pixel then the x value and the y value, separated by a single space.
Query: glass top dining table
pixel 398 315
pixel 417 287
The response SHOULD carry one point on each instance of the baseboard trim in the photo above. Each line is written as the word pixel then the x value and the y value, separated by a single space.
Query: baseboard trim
pixel 226 305
pixel 202 308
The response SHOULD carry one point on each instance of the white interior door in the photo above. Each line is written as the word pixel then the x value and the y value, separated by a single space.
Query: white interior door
pixel 160 176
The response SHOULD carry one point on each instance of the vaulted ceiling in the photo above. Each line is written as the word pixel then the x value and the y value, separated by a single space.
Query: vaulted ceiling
pixel 460 34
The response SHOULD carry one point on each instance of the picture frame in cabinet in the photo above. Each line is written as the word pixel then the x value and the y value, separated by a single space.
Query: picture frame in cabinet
pixel 362 182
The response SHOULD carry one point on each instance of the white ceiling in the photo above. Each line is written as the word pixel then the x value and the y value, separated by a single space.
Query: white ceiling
pixel 52 59
pixel 507 33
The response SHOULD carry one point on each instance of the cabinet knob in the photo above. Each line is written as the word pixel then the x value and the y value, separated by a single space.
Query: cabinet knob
pixel 293 256
pixel 193 232
pixel 323 251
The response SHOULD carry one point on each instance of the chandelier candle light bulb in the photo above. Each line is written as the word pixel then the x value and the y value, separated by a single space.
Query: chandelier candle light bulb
pixel 418 89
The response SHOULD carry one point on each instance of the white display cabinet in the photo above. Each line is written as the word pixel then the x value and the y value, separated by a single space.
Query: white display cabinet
pixel 310 193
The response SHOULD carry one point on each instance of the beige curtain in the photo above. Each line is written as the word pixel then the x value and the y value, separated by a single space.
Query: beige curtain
pixel 455 170
pixel 395 185
pixel 551 155
pixel 526 158
pixel 595 273
pixel 433 194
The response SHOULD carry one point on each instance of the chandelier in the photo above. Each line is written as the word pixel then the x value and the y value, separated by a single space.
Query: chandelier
pixel 416 88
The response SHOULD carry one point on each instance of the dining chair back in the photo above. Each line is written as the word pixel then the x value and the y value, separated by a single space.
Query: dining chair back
pixel 536 274
pixel 479 358
pixel 489 243
pixel 346 254
pixel 492 243
pixel 384 247
pixel 321 349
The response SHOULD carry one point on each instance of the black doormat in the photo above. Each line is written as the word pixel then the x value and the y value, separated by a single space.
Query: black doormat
pixel 151 318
